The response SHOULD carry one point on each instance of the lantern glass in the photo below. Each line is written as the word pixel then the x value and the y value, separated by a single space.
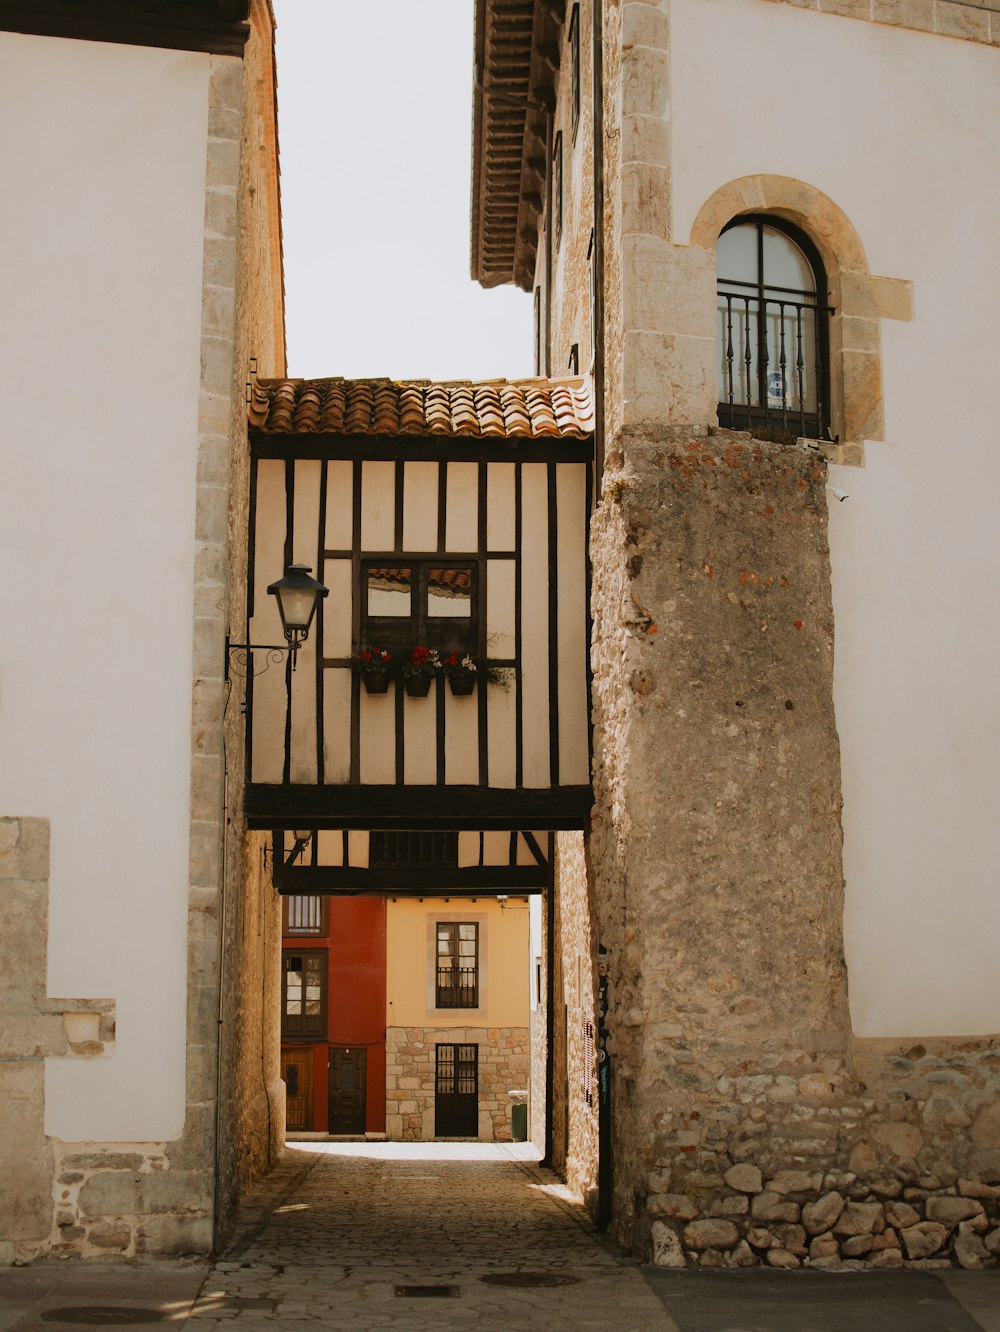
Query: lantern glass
pixel 298 596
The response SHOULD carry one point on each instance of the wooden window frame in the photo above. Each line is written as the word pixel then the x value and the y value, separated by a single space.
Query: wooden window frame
pixel 302 1026
pixel 419 628
pixel 440 991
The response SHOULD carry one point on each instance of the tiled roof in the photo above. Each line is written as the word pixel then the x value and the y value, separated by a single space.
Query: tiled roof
pixel 496 408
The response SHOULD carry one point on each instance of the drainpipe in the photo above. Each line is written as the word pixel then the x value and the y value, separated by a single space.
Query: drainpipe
pixel 605 1172
pixel 598 119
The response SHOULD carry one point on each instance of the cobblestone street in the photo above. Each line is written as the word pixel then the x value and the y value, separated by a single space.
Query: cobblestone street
pixel 333 1232
pixel 337 1229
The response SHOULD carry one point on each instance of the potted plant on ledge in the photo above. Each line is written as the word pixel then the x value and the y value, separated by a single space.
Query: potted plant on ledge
pixel 461 673
pixel 374 666
pixel 423 666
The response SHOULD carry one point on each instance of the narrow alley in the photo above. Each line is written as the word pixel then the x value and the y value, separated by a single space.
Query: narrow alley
pixel 365 1235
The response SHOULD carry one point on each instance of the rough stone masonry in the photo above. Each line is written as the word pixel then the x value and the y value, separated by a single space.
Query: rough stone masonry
pixel 748 1126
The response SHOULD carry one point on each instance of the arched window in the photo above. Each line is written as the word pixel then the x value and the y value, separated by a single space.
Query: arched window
pixel 773 335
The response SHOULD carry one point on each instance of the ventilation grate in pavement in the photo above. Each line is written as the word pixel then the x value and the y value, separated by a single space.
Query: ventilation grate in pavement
pixel 103 1315
pixel 527 1279
pixel 426 1292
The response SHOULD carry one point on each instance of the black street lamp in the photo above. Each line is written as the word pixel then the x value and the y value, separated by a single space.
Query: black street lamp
pixel 297 595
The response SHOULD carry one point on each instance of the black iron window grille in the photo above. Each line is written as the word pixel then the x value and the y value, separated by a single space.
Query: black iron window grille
pixel 574 70
pixel 304 915
pixel 773 329
pixel 456 1091
pixel 457 965
pixel 422 850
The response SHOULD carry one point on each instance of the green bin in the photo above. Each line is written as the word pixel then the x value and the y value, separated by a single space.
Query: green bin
pixel 519 1121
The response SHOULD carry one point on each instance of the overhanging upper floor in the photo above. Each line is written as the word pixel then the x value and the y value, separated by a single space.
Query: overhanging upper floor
pixel 445 683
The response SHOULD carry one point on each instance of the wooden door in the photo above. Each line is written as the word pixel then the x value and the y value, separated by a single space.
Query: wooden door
pixel 456 1092
pixel 347 1089
pixel 297 1071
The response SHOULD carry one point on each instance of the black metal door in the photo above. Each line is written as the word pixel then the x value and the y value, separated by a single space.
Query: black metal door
pixel 456 1092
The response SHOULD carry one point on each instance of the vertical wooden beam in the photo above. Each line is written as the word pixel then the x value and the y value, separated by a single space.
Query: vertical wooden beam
pixel 320 673
pixel 553 507
pixel 518 578
pixel 289 538
pixel 359 593
pixel 482 644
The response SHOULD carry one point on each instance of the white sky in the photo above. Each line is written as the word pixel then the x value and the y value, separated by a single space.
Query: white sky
pixel 375 117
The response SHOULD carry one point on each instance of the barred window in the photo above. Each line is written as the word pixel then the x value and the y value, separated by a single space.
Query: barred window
pixel 772 323
pixel 457 965
pixel 304 915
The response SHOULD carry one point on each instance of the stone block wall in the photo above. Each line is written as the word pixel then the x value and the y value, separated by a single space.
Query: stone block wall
pixel 574 1138
pixel 244 330
pixel 749 1127
pixel 886 1155
pixel 714 848
pixel 410 1070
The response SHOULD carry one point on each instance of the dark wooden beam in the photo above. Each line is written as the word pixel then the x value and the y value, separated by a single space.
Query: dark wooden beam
pixel 446 807
pixel 215 26
pixel 422 448
pixel 320 880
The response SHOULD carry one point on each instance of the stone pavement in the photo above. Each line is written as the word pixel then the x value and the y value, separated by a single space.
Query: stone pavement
pixel 327 1240
pixel 340 1229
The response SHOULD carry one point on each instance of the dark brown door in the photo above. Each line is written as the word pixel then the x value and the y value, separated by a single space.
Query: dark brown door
pixel 456 1092
pixel 347 1089
pixel 297 1071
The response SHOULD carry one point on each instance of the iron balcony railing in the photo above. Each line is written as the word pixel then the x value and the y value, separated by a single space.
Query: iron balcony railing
pixel 457 987
pixel 774 370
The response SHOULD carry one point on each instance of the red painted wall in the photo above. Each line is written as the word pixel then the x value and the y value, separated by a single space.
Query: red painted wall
pixel 355 999
pixel 356 1005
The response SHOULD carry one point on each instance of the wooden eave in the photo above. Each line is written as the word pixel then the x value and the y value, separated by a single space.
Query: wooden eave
pixel 514 80
pixel 215 26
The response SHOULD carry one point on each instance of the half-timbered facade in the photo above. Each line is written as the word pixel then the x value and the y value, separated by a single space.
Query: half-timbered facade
pixel 446 682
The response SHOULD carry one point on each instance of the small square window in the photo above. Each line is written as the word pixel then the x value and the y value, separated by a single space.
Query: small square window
pixel 426 603
pixel 389 593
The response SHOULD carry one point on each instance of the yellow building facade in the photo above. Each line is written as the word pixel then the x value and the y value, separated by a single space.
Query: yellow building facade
pixel 457 1013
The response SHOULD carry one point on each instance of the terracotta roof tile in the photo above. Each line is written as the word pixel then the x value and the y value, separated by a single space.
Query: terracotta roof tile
pixel 496 409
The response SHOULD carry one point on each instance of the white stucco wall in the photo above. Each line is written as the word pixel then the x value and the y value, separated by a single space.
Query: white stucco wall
pixel 899 129
pixel 102 159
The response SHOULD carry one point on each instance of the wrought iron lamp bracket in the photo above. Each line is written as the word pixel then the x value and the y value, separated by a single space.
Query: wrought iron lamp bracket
pixel 240 661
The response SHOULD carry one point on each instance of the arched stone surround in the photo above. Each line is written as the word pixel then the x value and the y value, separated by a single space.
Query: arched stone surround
pixel 859 298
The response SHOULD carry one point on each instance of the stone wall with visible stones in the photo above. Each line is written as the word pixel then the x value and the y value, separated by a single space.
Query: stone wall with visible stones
pixel 715 840
pixel 749 1127
pixel 410 1056
pixel 574 1138
pixel 887 1155
pixel 973 20
pixel 247 910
